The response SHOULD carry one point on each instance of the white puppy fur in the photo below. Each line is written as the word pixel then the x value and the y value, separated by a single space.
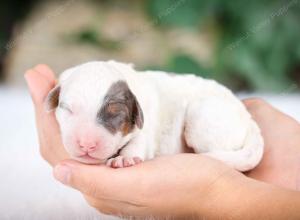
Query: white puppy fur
pixel 110 113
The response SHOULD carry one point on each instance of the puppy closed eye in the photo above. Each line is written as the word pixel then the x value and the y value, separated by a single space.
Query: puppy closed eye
pixel 65 107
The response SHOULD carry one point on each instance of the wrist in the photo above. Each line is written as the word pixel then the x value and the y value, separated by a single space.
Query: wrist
pixel 239 197
pixel 266 201
pixel 224 197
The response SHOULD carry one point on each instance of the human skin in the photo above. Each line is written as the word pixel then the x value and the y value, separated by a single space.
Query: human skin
pixel 187 185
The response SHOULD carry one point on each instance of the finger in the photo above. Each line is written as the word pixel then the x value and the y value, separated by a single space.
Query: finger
pixel 267 116
pixel 46 71
pixel 38 85
pixel 98 181
pixel 257 106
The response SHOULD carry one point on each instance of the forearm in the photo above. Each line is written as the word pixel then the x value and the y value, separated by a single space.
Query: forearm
pixel 266 201
pixel 245 198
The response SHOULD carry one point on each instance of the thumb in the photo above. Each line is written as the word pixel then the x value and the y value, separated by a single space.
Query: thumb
pixel 94 180
pixel 40 81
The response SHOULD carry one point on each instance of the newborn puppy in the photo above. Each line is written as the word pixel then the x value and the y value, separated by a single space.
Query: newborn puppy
pixel 110 113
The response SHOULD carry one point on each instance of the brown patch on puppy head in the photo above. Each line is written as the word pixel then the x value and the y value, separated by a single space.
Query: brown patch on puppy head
pixel 120 110
pixel 52 99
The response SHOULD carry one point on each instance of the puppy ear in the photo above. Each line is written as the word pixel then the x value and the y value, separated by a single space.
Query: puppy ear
pixel 120 110
pixel 52 99
pixel 138 113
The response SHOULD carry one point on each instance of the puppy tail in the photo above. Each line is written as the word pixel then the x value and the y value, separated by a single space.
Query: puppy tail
pixel 247 157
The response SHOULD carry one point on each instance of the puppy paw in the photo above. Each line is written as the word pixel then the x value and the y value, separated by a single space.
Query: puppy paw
pixel 121 161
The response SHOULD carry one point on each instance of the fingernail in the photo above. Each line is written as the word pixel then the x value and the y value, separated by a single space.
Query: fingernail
pixel 62 173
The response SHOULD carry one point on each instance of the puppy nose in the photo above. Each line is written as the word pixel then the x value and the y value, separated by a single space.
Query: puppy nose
pixel 88 146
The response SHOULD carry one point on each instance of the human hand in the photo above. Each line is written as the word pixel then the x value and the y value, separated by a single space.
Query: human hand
pixel 185 186
pixel 281 161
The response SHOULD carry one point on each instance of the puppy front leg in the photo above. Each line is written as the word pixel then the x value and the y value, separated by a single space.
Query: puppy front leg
pixel 133 153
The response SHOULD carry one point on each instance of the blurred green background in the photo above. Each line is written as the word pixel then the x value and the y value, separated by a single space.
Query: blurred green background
pixel 247 45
